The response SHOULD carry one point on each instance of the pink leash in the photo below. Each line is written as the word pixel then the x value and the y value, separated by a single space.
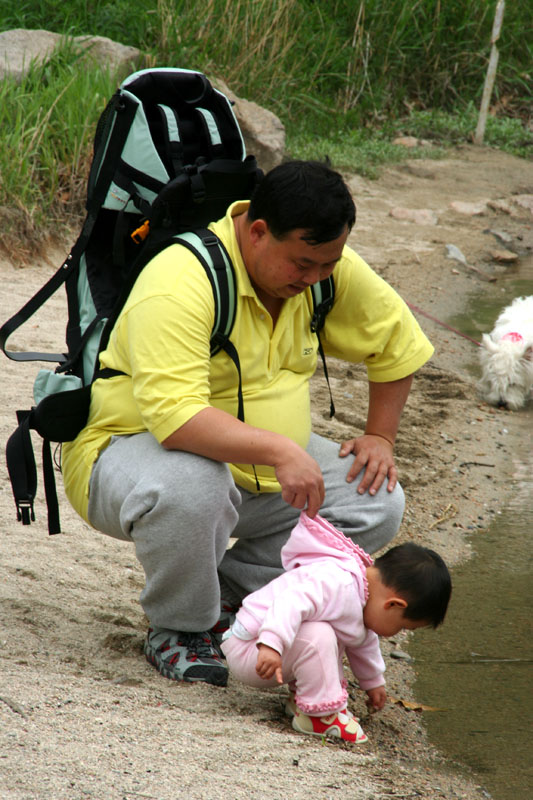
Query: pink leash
pixel 444 325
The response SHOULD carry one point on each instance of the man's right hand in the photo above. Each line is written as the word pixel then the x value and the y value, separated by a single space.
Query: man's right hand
pixel 301 481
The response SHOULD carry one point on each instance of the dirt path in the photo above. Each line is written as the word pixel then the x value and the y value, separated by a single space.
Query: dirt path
pixel 81 712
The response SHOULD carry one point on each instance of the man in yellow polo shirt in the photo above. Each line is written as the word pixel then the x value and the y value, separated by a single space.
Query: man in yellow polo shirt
pixel 165 463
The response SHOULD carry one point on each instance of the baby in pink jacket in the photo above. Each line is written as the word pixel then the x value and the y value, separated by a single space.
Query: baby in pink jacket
pixel 332 600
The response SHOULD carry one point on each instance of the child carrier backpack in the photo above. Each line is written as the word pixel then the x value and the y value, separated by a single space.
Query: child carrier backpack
pixel 169 158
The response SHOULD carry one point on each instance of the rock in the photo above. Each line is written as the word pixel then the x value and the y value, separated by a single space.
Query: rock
pixel 500 205
pixel 514 206
pixel 503 236
pixel 524 201
pixel 469 209
pixel 504 256
pixel 453 252
pixel 263 132
pixel 118 57
pixel 401 655
pixel 420 216
pixel 406 141
pixel 19 48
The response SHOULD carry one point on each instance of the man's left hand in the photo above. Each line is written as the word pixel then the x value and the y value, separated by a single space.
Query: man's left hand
pixel 375 455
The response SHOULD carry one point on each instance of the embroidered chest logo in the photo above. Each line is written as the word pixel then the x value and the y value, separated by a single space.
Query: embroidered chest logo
pixel 307 351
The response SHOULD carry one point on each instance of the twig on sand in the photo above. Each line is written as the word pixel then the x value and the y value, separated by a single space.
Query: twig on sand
pixel 449 512
pixel 13 705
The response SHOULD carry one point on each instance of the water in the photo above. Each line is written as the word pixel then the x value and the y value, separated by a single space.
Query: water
pixel 479 665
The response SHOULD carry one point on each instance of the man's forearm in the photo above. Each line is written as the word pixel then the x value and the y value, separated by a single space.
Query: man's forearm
pixel 385 406
pixel 218 435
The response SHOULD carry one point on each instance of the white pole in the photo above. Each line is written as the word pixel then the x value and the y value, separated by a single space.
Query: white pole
pixel 491 73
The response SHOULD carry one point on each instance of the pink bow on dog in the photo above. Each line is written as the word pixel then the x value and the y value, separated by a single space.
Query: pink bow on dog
pixel 512 336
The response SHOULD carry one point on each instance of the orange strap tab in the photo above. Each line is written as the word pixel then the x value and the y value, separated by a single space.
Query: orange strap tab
pixel 140 234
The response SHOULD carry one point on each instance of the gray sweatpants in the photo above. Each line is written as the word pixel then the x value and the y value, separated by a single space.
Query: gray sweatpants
pixel 180 510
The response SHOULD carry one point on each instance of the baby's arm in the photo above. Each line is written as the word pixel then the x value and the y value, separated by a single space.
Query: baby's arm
pixel 367 665
pixel 268 663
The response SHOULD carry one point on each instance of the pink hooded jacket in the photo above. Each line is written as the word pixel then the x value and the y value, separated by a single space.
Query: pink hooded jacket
pixel 325 579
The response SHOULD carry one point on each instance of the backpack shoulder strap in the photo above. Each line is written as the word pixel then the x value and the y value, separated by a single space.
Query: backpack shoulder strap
pixel 39 298
pixel 219 269
pixel 323 294
pixel 213 256
pixel 215 260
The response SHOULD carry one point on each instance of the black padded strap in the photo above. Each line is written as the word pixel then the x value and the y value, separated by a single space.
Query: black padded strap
pixel 50 490
pixel 23 474
pixel 21 467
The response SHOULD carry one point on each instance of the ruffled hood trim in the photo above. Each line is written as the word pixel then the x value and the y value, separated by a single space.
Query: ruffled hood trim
pixel 312 539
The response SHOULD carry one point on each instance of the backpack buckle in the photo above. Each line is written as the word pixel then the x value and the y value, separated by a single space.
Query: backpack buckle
pixel 140 233
pixel 210 240
pixel 25 512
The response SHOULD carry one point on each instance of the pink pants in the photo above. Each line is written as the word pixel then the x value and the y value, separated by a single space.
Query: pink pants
pixel 312 667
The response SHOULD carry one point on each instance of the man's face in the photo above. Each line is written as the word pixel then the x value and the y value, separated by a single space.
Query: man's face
pixel 283 268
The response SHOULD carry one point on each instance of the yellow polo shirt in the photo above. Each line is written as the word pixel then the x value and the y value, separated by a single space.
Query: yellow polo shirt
pixel 161 340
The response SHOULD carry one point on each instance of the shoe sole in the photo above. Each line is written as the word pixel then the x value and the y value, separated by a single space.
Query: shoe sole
pixel 216 676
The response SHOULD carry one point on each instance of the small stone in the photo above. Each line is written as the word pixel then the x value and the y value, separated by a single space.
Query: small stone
pixel 524 201
pixel 420 216
pixel 501 235
pixel 401 654
pixel 500 205
pixel 504 256
pixel 469 209
pixel 406 141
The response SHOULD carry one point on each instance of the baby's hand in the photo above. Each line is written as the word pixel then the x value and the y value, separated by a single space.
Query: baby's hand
pixel 377 698
pixel 268 663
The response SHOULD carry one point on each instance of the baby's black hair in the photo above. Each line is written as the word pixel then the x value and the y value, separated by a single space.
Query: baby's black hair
pixel 420 577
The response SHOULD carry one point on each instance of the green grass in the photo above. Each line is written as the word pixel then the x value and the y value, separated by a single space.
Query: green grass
pixel 344 76
pixel 371 56
pixel 47 123
pixel 363 151
pixel 505 133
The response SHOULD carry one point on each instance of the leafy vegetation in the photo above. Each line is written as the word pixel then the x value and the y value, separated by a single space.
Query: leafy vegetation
pixel 345 77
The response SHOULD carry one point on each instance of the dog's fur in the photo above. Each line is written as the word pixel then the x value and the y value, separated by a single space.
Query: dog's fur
pixel 506 357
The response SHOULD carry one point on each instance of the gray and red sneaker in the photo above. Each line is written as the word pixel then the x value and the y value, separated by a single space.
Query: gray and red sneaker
pixel 225 621
pixel 185 656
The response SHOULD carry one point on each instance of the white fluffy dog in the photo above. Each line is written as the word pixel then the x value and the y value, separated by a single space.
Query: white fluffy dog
pixel 506 357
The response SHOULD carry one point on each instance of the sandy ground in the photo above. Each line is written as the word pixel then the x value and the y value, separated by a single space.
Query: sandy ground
pixel 82 714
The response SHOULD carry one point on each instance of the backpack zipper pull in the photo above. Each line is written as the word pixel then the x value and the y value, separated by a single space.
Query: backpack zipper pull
pixel 140 233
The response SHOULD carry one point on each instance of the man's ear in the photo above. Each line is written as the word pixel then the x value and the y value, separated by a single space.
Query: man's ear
pixel 258 229
pixel 392 602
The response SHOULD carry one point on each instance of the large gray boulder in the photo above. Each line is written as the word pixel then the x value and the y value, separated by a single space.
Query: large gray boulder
pixel 19 48
pixel 262 131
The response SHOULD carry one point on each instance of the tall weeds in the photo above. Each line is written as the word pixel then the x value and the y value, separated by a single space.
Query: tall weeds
pixel 47 123
pixel 365 58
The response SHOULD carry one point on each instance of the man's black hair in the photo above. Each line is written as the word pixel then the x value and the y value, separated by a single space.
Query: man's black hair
pixel 304 194
pixel 420 577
